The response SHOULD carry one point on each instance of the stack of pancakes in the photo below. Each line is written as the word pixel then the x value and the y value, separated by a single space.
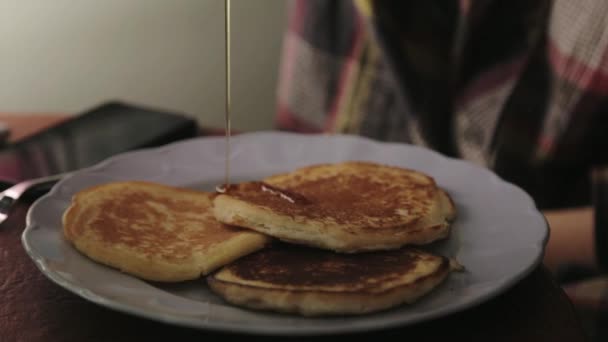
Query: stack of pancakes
pixel 321 240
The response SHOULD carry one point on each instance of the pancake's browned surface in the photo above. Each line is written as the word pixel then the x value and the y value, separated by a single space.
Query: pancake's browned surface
pixel 301 267
pixel 153 231
pixel 345 196
pixel 316 282
pixel 358 201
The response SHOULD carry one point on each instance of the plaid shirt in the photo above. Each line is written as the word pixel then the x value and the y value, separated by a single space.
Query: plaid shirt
pixel 517 86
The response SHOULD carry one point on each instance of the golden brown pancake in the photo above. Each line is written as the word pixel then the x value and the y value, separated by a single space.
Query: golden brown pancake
pixel 315 282
pixel 153 231
pixel 347 207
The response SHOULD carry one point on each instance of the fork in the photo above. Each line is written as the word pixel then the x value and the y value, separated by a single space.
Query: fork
pixel 11 195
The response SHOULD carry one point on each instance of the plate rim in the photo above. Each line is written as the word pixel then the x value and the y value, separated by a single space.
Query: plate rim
pixel 117 305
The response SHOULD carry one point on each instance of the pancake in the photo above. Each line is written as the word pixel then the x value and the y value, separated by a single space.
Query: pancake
pixel 347 207
pixel 314 282
pixel 154 232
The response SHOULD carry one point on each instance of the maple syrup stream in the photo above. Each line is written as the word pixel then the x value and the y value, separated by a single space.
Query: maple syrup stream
pixel 223 188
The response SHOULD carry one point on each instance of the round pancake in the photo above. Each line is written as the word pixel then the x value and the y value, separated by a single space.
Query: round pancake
pixel 314 282
pixel 154 232
pixel 348 207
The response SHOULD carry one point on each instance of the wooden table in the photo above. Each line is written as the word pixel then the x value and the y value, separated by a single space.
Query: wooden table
pixel 32 308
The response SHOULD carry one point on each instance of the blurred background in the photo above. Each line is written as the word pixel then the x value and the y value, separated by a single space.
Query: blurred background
pixel 65 56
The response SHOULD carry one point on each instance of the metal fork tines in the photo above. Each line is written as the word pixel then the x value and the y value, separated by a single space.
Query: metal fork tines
pixel 10 196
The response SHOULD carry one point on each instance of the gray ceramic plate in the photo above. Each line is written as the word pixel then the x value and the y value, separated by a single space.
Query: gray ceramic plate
pixel 499 235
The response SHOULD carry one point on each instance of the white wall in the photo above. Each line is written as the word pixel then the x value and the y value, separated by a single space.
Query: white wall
pixel 68 55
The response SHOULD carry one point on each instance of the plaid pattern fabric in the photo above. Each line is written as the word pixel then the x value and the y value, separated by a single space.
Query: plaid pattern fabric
pixel 520 87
